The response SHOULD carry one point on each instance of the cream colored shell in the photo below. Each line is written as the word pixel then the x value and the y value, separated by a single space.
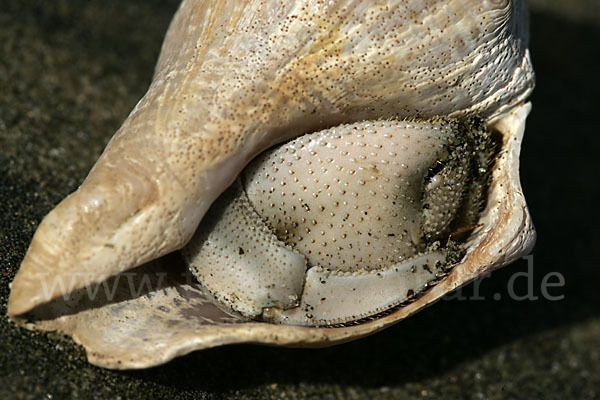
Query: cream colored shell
pixel 233 79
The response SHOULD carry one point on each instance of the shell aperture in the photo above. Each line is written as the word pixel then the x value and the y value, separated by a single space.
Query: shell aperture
pixel 356 218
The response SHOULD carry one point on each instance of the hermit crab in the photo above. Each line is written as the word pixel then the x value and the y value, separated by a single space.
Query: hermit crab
pixel 327 168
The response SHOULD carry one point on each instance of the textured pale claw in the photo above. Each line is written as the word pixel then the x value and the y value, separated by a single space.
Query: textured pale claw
pixel 337 297
pixel 349 197
pixel 240 261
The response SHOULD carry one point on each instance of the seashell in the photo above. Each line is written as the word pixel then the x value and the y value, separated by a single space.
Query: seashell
pixel 236 78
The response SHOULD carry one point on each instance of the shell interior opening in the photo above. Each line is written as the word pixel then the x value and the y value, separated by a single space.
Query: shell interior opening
pixel 345 224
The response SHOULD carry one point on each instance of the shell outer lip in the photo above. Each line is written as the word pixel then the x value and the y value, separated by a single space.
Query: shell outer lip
pixel 507 234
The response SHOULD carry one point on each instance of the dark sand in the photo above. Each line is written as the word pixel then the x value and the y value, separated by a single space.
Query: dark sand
pixel 70 71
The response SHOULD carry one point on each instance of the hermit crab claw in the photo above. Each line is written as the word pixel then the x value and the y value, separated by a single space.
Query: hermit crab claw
pixel 233 79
